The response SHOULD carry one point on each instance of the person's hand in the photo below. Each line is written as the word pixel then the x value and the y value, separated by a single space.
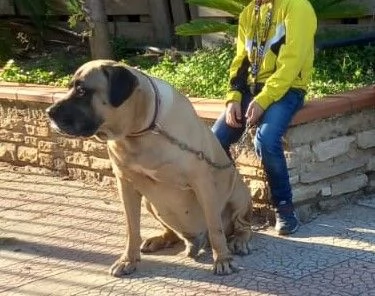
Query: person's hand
pixel 233 114
pixel 254 113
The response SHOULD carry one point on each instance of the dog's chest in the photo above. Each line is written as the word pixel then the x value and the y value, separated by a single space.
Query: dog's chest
pixel 147 167
pixel 143 171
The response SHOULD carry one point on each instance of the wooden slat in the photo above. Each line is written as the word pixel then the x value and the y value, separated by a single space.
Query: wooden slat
pixel 161 20
pixel 127 7
pixel 180 16
pixel 6 7
pixel 210 12
pixel 56 7
pixel 141 33
pixel 348 28
pixel 179 12
pixel 368 4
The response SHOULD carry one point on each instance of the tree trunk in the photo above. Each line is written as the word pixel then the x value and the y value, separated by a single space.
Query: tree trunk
pixel 99 34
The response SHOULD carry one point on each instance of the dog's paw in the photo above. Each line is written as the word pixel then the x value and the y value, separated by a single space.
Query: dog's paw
pixel 225 266
pixel 156 243
pixel 239 246
pixel 193 246
pixel 122 267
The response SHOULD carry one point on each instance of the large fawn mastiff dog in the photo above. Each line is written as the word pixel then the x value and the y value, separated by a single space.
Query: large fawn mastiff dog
pixel 160 149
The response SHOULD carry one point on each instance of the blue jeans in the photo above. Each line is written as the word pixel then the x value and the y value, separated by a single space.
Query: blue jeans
pixel 268 140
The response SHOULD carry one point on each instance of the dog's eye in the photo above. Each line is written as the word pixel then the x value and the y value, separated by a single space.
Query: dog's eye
pixel 81 91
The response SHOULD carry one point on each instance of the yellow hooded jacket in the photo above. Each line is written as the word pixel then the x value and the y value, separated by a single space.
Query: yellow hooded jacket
pixel 289 51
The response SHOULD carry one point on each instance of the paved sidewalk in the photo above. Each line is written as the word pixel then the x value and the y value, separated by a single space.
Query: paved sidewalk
pixel 59 237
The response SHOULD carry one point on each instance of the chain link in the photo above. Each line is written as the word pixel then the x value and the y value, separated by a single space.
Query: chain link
pixel 242 143
pixel 235 150
pixel 185 147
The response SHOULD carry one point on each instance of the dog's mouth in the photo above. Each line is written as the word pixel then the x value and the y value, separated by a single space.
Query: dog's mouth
pixel 102 136
pixel 69 131
pixel 72 121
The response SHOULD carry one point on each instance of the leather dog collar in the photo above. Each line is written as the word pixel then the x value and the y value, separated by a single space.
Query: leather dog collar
pixel 156 110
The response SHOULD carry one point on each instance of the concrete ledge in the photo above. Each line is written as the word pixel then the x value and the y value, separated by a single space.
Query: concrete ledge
pixel 313 110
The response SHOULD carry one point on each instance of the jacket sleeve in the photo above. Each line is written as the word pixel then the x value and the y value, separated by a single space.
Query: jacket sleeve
pixel 238 71
pixel 300 26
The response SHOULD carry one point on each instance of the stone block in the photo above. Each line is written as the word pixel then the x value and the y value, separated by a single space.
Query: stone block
pixel 326 191
pixel 332 204
pixel 81 174
pixel 7 151
pixel 248 158
pixel 326 129
pixel 30 129
pixel 294 179
pixel 46 160
pixel 252 171
pixel 303 152
pixel 77 158
pixel 42 131
pixel 366 139
pixel 332 148
pixel 68 143
pixel 9 136
pixel 59 164
pixel 47 146
pixel 292 160
pixel 27 154
pixel 307 212
pixel 94 147
pixel 350 184
pixel 100 163
pixel 331 171
pixel 31 141
pixel 109 181
pixel 304 193
pixel 293 176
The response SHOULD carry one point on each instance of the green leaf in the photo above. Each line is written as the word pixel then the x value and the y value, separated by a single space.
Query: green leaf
pixel 231 6
pixel 337 9
pixel 342 11
pixel 202 26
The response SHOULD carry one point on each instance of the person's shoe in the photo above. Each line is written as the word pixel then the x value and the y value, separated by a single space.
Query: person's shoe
pixel 286 220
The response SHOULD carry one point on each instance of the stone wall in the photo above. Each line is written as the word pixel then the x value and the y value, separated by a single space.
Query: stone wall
pixel 332 158
pixel 330 146
pixel 27 139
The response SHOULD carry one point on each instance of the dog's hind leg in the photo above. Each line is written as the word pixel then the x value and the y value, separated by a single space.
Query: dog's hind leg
pixel 165 240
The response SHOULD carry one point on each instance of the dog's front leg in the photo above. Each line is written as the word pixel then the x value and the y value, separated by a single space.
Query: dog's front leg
pixel 131 200
pixel 212 205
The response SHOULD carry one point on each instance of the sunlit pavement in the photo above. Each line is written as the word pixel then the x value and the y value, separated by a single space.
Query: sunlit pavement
pixel 59 237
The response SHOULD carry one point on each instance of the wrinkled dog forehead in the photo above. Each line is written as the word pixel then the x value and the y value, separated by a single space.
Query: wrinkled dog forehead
pixel 92 77
pixel 115 78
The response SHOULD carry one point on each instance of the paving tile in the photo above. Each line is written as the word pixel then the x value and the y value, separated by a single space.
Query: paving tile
pixel 352 277
pixel 59 237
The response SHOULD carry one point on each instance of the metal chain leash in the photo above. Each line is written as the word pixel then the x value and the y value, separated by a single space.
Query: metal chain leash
pixel 235 150
pixel 185 147
pixel 242 143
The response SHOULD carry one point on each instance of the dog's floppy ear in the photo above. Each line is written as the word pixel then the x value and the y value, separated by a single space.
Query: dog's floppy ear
pixel 121 83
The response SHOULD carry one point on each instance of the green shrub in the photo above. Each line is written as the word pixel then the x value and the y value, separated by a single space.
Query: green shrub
pixel 54 70
pixel 202 74
pixel 341 69
pixel 205 72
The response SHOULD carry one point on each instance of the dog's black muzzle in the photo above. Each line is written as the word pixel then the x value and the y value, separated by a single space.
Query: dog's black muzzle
pixel 74 117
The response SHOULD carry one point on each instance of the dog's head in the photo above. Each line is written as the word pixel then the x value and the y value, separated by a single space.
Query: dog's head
pixel 97 90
